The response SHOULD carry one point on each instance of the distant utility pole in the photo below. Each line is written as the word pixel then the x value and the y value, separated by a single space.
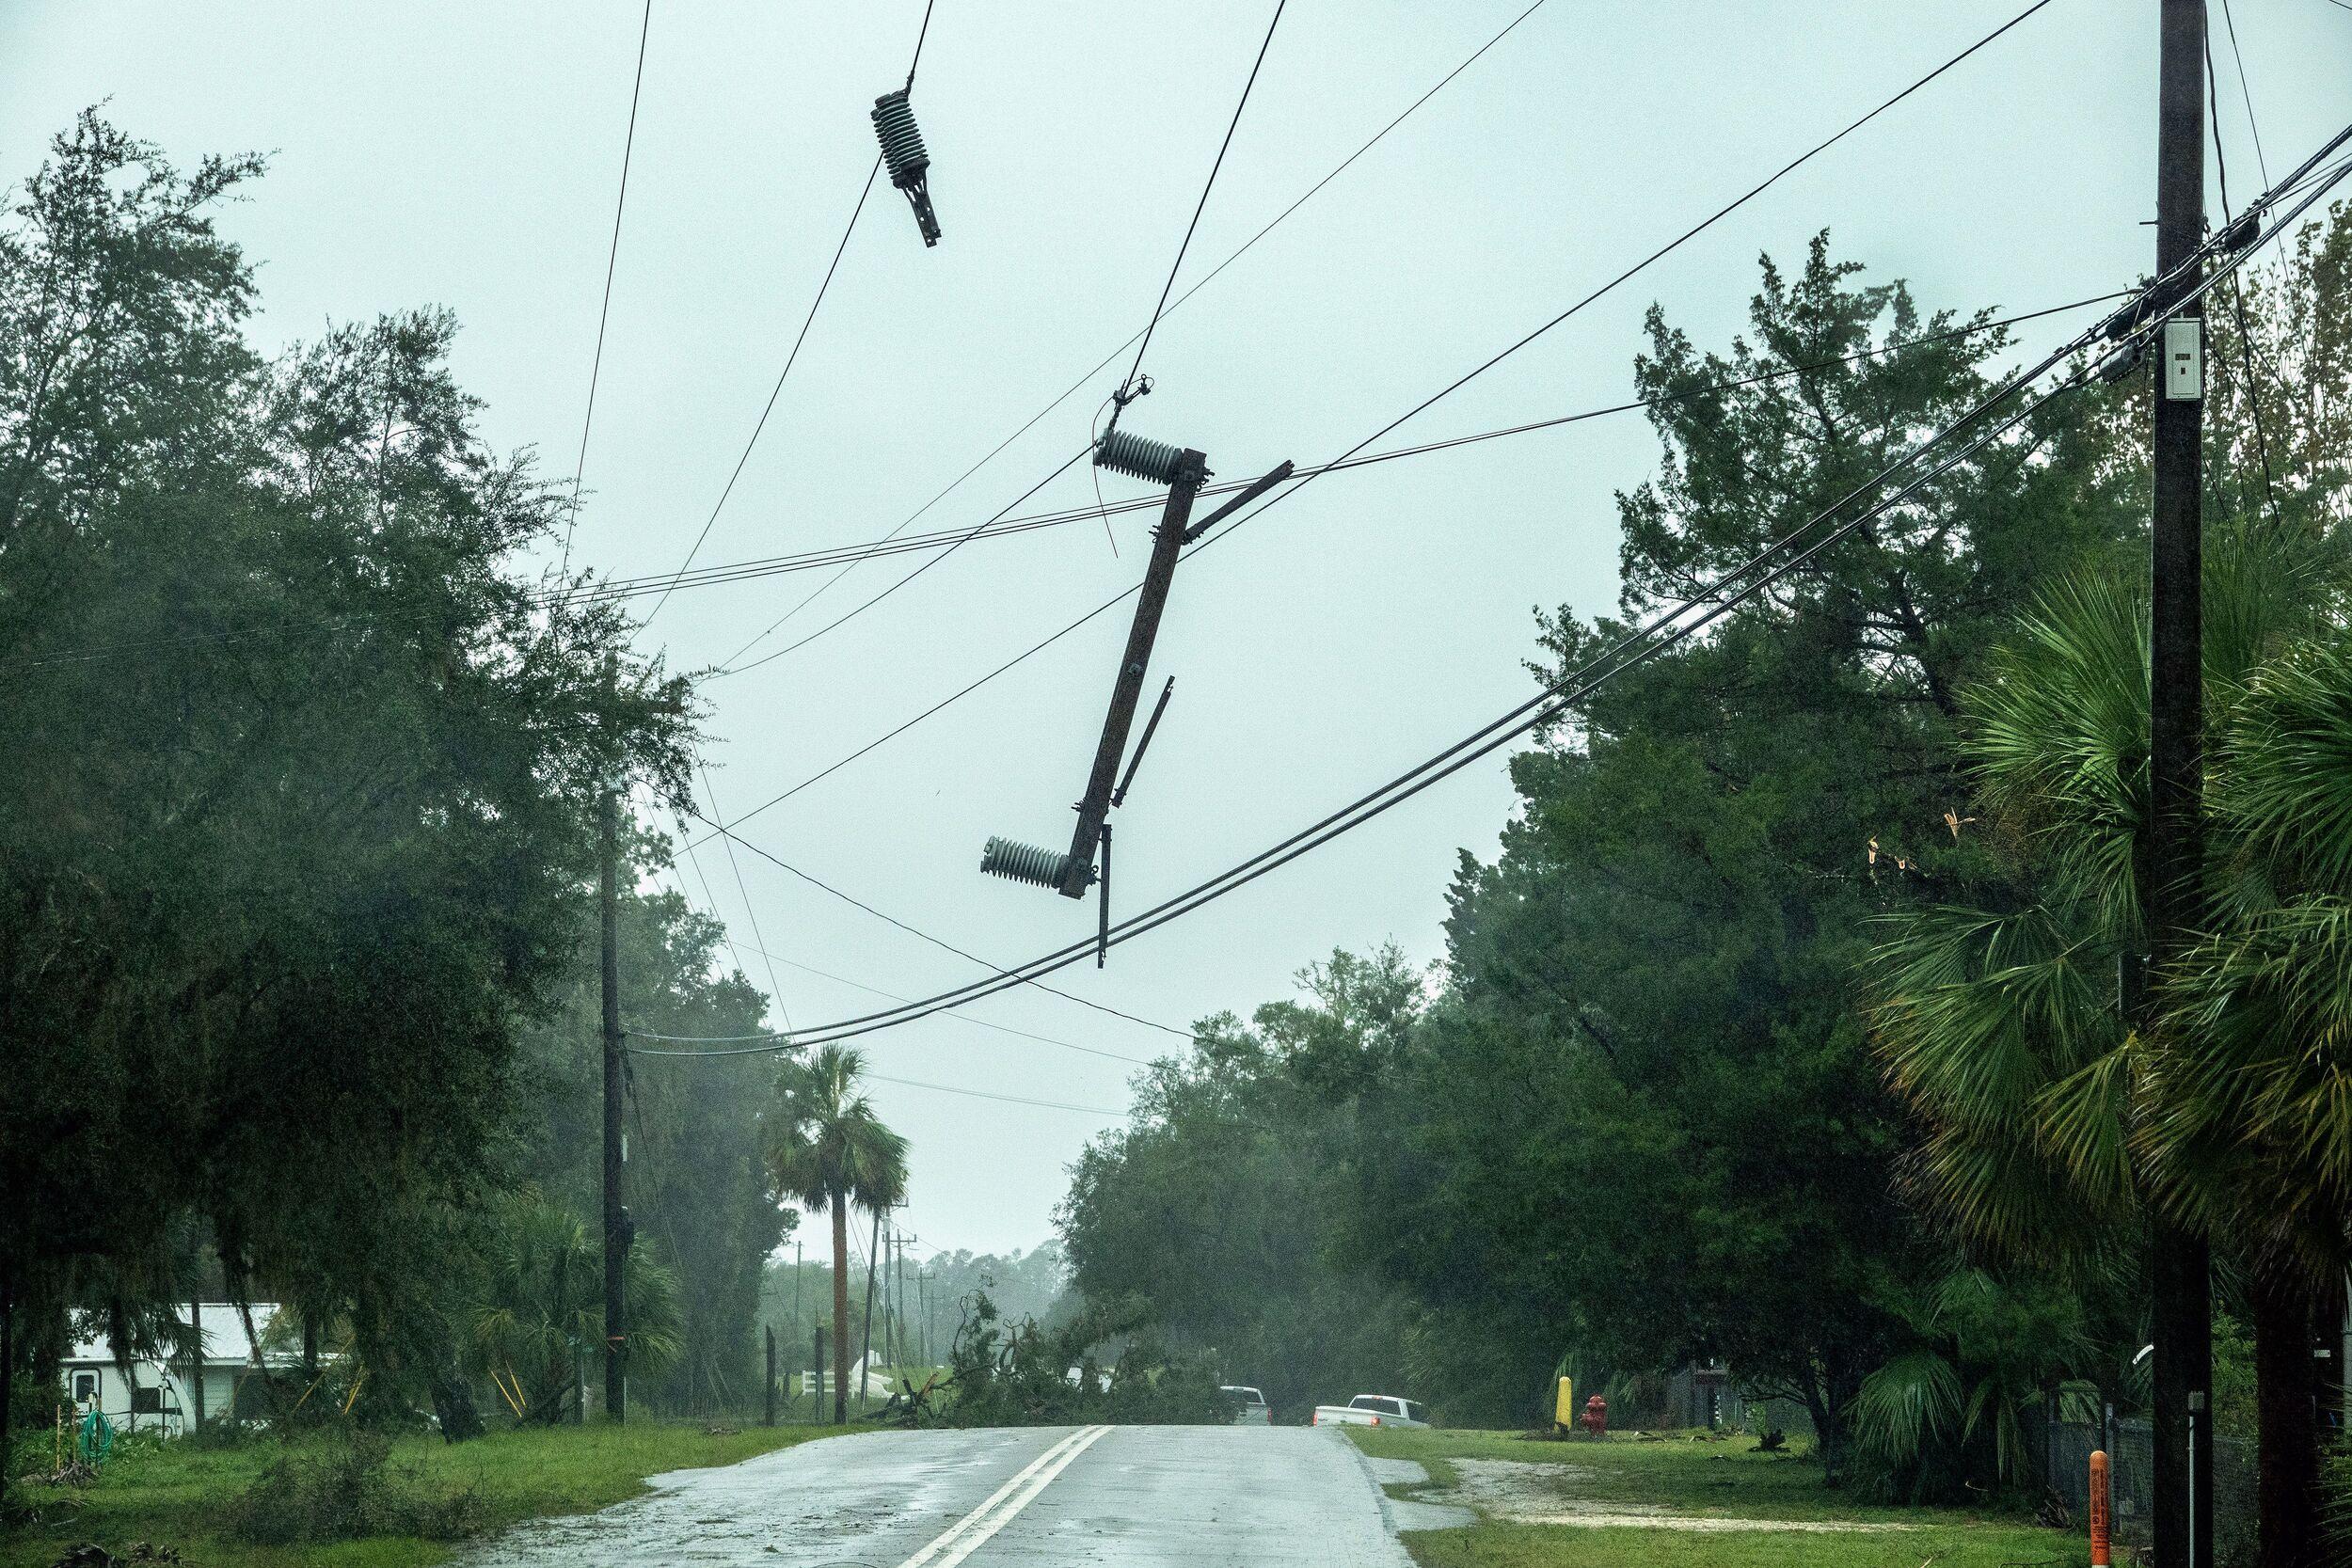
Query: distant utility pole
pixel 2181 1267
pixel 615 1216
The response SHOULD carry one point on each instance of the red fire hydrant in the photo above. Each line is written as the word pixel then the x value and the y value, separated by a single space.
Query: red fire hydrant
pixel 1596 1418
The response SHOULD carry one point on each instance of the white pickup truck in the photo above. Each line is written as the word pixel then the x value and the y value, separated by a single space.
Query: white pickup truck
pixel 1370 1410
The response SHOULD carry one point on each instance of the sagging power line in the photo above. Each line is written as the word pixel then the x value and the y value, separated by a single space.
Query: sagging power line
pixel 2131 324
pixel 1474 373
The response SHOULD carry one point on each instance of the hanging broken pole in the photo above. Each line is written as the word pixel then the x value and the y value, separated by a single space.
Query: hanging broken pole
pixel 1183 471
pixel 903 155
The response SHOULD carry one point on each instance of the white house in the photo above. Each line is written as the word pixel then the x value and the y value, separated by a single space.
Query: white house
pixel 158 1393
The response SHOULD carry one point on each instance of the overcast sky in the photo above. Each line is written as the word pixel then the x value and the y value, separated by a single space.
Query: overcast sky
pixel 468 155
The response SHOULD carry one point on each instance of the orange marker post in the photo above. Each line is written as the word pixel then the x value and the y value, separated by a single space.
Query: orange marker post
pixel 2101 1557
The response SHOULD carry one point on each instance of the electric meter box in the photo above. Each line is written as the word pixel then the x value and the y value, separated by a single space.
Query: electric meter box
pixel 2184 359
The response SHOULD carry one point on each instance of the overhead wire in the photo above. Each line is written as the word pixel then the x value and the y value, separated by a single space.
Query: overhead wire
pixel 775 391
pixel 734 946
pixel 960 1018
pixel 1677 624
pixel 1368 459
pixel 952 548
pixel 871 1076
pixel 947 946
pixel 604 309
pixel 1161 305
pixel 1205 279
pixel 765 566
pixel 745 891
pixel 1300 482
pixel 1202 206
pixel 2237 284
pixel 855 555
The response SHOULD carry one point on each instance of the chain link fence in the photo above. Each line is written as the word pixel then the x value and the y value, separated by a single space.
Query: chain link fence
pixel 2131 1468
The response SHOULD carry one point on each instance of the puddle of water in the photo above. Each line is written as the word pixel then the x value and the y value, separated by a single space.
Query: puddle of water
pixel 1522 1493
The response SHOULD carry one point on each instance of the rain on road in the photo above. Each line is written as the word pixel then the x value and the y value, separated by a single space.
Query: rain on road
pixel 1042 1496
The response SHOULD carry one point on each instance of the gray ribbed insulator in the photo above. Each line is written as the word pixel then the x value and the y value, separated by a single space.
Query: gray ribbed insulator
pixel 1123 451
pixel 1024 863
pixel 901 143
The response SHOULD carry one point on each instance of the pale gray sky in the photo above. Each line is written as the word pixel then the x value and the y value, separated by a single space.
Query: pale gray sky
pixel 468 154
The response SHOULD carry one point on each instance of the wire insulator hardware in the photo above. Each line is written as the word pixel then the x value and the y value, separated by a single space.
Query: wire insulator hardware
pixel 1123 451
pixel 1026 862
pixel 903 155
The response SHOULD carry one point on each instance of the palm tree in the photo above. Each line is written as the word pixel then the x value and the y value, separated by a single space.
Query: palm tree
pixel 542 1307
pixel 2050 1119
pixel 827 1149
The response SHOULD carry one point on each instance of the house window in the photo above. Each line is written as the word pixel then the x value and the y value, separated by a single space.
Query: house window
pixel 85 1388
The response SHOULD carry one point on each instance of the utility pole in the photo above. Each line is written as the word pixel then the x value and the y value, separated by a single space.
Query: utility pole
pixel 2182 1288
pixel 771 1417
pixel 615 1216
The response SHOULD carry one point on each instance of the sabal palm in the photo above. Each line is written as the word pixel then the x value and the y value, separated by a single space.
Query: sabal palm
pixel 2047 1116
pixel 2049 1119
pixel 542 1306
pixel 827 1149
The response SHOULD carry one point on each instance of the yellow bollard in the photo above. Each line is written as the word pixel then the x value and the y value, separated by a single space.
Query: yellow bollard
pixel 2100 1554
pixel 1564 1413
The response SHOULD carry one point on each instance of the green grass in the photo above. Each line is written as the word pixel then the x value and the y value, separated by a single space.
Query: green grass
pixel 1728 1479
pixel 174 1494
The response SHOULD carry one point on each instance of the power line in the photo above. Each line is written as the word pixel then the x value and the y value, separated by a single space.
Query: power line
pixel 1206 278
pixel 960 542
pixel 782 1010
pixel 1678 624
pixel 960 1018
pixel 873 1077
pixel 850 228
pixel 855 985
pixel 935 941
pixel 923 33
pixel 856 555
pixel 1302 481
pixel 1202 206
pixel 1004 1098
pixel 2245 87
pixel 764 566
pixel 612 262
pixel 2237 285
pixel 1370 458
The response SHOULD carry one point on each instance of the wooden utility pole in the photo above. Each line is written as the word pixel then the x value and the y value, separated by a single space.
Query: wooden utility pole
pixel 2181 1285
pixel 771 1419
pixel 615 1215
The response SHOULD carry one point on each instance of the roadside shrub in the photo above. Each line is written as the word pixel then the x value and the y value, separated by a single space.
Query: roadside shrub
pixel 345 1488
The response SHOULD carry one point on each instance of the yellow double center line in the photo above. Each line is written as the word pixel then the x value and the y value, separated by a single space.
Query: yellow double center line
pixel 967 1534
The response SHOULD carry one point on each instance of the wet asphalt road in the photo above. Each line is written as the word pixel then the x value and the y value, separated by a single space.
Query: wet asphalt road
pixel 1037 1497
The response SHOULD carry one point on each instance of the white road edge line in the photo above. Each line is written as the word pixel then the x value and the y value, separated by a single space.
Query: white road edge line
pixel 948 1536
pixel 1004 1515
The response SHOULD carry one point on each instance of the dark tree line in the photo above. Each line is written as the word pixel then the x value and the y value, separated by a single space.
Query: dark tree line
pixel 297 826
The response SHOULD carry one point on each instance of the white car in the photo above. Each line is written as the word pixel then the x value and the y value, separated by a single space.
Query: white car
pixel 1253 1409
pixel 1370 1410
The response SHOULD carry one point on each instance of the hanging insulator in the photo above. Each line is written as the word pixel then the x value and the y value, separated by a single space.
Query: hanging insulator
pixel 1125 452
pixel 903 153
pixel 1024 862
